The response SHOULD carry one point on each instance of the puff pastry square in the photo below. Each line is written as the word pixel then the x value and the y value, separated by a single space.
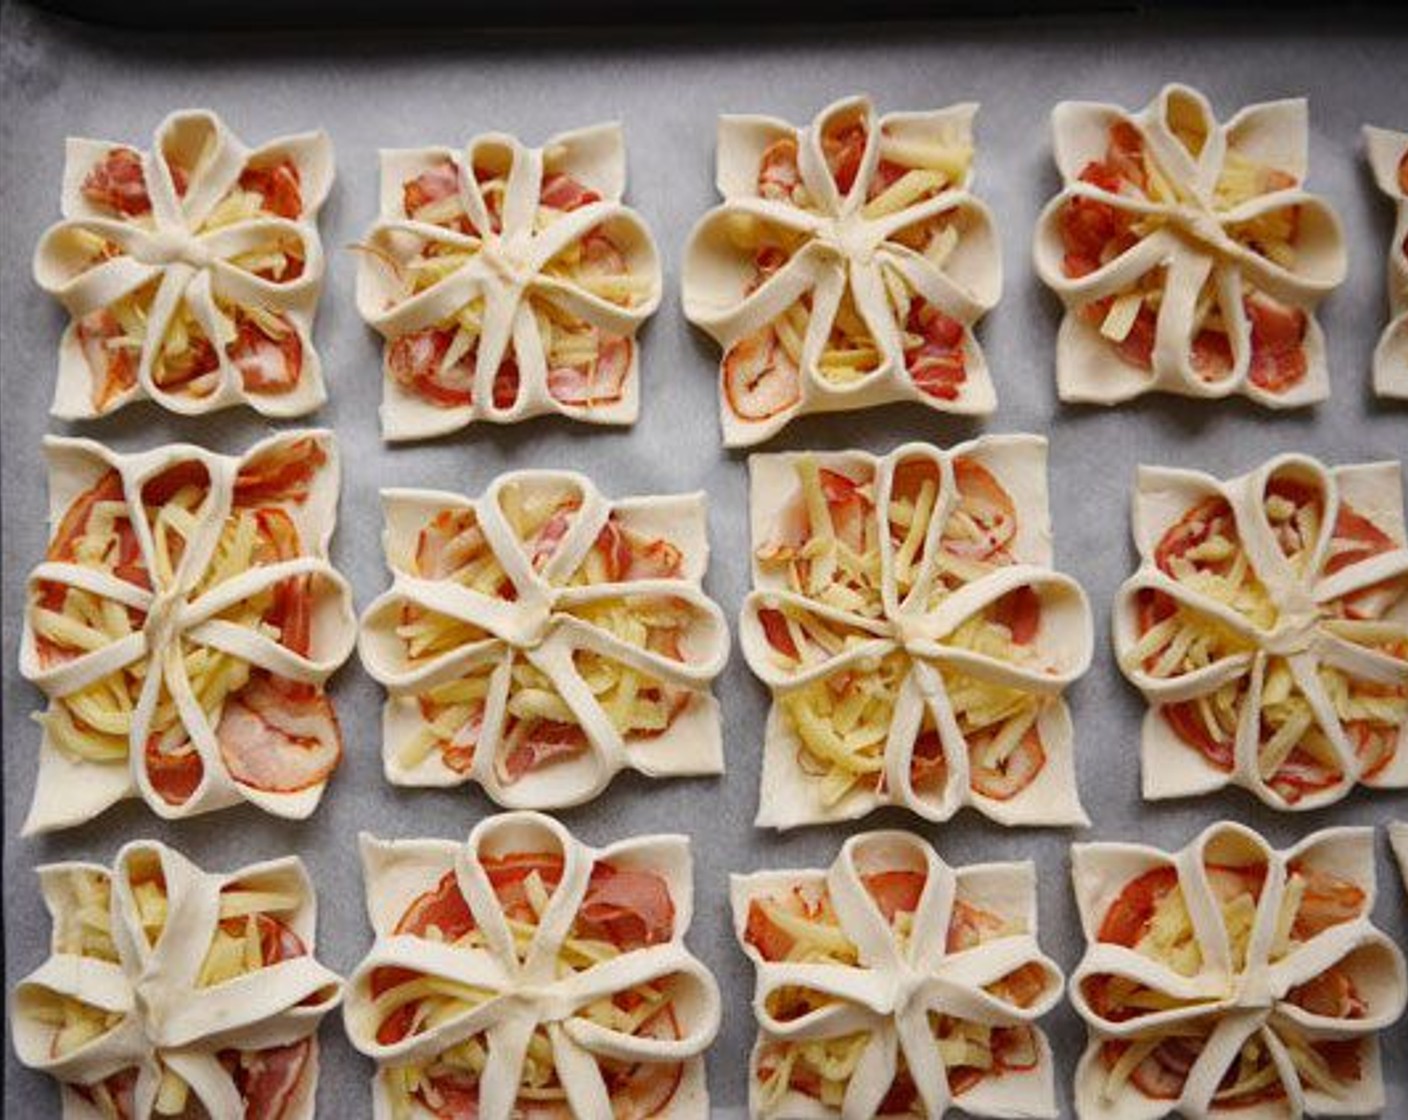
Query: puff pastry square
pixel 892 984
pixel 191 272
pixel 170 988
pixel 525 971
pixel 1188 254
pixel 1230 979
pixel 1267 626
pixel 916 640
pixel 508 282
pixel 1388 157
pixel 182 624
pixel 543 637
pixel 846 267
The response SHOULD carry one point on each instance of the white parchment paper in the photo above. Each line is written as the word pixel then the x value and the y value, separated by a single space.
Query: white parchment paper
pixel 60 79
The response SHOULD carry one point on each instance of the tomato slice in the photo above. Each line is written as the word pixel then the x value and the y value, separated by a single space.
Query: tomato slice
pixel 278 186
pixel 1128 918
pixel 173 775
pixel 772 942
pixel 775 630
pixel 895 892
pixel 1020 612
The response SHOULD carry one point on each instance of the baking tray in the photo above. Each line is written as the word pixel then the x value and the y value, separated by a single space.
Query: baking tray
pixel 61 78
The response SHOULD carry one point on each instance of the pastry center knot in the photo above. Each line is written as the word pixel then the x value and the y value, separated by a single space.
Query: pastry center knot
pixel 909 986
pixel 507 258
pixel 851 237
pixel 174 246
pixel 533 621
pixel 910 631
pixel 163 621
pixel 540 1002
pixel 1295 629
pixel 1198 223
pixel 1251 991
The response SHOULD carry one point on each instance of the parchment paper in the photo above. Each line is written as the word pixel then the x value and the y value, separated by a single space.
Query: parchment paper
pixel 59 79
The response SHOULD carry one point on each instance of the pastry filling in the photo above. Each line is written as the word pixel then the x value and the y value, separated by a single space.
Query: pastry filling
pixel 272 733
pixel 258 342
pixel 1204 552
pixel 801 926
pixel 826 549
pixel 1096 231
pixel 252 934
pixel 1150 916
pixel 538 727
pixel 587 365
pixel 760 371
pixel 624 909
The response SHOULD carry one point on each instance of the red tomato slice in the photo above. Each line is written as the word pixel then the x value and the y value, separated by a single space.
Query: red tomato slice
pixel 1352 527
pixel 278 185
pixel 114 368
pixel 843 150
pixel 1020 611
pixel 280 474
pixel 118 183
pixel 775 630
pixel 778 173
pixel 174 776
pixel 439 181
pixel 772 942
pixel 1330 994
pixel 895 892
pixel 1329 900
pixel 1128 917
pixel 969 926
pixel 562 192
pixel 1016 772
pixel 1187 723
pixel 1278 331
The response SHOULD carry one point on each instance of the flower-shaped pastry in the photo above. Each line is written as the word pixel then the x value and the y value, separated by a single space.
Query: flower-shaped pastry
pixel 846 267
pixel 893 985
pixel 1229 979
pixel 525 974
pixel 542 638
pixel 1388 156
pixel 915 639
pixel 182 624
pixel 191 272
pixel 508 282
pixel 1268 628
pixel 172 991
pixel 1188 256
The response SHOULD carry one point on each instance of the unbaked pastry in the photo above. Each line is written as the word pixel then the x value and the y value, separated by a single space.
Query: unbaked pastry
pixel 525 973
pixel 1188 255
pixel 191 272
pixel 543 637
pixel 1388 156
pixel 171 989
pixel 891 984
pixel 1229 979
pixel 846 267
pixel 916 657
pixel 508 282
pixel 1267 626
pixel 182 624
